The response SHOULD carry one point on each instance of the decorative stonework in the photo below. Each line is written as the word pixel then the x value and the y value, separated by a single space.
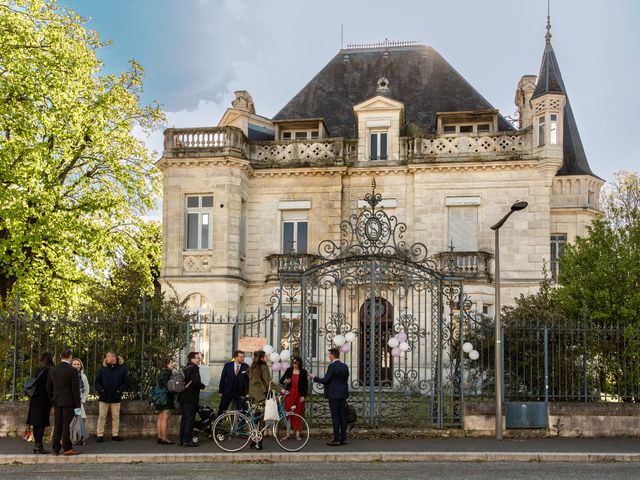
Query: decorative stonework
pixel 198 263
pixel 446 145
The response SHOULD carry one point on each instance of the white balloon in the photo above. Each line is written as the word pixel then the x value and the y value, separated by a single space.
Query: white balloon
pixel 285 355
pixel 474 355
pixel 404 346
pixel 274 357
pixel 350 337
pixel 393 342
pixel 467 347
pixel 339 340
pixel 268 349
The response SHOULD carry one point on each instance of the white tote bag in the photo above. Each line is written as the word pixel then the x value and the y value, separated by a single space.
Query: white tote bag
pixel 271 413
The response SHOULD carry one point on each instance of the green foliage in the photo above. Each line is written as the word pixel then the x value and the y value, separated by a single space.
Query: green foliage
pixel 74 179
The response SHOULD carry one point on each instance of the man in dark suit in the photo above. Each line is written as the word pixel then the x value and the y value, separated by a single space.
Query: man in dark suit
pixel 336 389
pixel 234 382
pixel 63 388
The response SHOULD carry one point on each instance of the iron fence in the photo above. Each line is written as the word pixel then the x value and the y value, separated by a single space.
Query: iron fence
pixel 141 339
pixel 572 361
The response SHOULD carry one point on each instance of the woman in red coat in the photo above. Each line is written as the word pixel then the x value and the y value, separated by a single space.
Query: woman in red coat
pixel 296 381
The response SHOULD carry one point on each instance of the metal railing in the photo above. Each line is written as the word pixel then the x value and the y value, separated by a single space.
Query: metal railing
pixel 580 361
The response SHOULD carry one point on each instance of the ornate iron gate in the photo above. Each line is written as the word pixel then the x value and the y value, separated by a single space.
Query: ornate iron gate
pixel 371 286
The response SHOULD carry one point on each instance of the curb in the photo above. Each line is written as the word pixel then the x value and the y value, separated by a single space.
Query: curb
pixel 125 458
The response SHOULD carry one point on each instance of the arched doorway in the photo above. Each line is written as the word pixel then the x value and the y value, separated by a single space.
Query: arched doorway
pixel 375 362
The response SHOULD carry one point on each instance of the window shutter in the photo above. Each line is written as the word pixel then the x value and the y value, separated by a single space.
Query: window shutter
pixel 463 229
pixel 374 146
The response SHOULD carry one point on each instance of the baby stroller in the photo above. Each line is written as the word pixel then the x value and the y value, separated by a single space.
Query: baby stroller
pixel 204 422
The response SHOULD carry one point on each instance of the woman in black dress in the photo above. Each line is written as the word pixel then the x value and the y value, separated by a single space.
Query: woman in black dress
pixel 164 411
pixel 40 404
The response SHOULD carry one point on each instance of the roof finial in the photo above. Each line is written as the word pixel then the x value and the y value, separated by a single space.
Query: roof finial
pixel 548 34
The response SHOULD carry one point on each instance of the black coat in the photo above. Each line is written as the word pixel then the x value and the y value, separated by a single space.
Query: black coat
pixel 63 387
pixel 191 394
pixel 163 378
pixel 112 381
pixel 40 403
pixel 303 381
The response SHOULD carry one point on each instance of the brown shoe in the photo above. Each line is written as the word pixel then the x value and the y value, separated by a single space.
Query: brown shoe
pixel 72 452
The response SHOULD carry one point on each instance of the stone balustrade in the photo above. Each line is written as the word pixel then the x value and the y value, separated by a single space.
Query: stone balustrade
pixel 443 146
pixel 467 264
pixel 220 141
pixel 326 151
pixel 286 263
pixel 205 140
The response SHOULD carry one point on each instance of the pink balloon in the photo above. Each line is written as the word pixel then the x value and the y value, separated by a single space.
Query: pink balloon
pixel 395 352
pixel 345 348
pixel 284 366
pixel 276 367
pixel 401 336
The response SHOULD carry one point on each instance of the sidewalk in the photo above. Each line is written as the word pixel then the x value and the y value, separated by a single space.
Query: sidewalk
pixel 14 451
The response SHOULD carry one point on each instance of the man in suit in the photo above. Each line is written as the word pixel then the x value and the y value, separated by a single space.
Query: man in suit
pixel 336 390
pixel 63 388
pixel 234 382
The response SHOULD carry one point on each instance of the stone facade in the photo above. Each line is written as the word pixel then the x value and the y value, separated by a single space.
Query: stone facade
pixel 470 159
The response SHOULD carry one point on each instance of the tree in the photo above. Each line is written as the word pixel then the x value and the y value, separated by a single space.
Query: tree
pixel 74 179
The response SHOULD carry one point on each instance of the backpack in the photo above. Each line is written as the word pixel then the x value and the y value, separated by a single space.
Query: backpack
pixel 176 383
pixel 30 385
pixel 352 416
pixel 158 397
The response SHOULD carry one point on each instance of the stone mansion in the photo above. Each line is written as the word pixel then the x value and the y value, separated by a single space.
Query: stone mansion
pixel 239 195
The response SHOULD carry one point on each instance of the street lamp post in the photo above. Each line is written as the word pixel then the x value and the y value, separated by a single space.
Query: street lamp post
pixel 498 343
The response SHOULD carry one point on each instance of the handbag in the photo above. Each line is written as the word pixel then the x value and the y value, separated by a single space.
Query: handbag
pixel 271 413
pixel 78 430
pixel 30 385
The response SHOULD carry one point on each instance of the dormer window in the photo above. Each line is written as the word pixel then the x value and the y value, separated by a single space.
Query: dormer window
pixel 378 145
pixel 467 129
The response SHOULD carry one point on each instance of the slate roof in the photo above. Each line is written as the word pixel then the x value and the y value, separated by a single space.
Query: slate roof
pixel 550 81
pixel 418 76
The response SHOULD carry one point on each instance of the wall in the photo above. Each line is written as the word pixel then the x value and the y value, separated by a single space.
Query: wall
pixel 565 420
pixel 137 419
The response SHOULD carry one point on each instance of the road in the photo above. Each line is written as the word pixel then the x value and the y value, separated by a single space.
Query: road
pixel 340 471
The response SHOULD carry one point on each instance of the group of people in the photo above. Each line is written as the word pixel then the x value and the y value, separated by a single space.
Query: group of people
pixel 65 388
pixel 240 381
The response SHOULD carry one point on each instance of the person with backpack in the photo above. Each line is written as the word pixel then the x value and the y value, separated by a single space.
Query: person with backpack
pixel 165 411
pixel 189 399
pixel 40 403
pixel 111 382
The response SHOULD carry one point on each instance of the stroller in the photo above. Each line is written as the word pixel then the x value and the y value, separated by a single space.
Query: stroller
pixel 204 422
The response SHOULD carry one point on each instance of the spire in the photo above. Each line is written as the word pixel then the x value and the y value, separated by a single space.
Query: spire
pixel 550 81
pixel 548 35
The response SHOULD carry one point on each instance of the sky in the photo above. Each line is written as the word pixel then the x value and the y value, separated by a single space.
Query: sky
pixel 196 53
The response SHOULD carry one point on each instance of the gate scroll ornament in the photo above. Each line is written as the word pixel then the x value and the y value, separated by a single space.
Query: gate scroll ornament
pixel 375 283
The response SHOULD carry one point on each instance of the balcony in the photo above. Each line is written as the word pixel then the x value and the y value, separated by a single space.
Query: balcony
pixel 281 263
pixel 470 265
pixel 204 142
pixel 231 141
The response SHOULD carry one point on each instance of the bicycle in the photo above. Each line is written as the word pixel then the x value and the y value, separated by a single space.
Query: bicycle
pixel 233 430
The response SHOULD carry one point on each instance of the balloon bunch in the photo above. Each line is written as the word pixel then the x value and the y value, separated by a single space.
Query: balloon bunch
pixel 343 342
pixel 279 361
pixel 467 348
pixel 398 344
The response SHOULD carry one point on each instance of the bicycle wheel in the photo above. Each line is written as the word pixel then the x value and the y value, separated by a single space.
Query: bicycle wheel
pixel 231 431
pixel 285 435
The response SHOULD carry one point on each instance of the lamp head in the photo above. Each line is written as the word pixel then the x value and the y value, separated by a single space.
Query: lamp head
pixel 519 206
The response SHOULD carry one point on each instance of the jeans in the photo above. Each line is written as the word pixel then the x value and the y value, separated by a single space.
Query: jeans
pixel 188 420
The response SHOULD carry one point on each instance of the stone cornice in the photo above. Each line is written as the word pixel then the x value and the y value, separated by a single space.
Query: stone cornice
pixel 591 211
pixel 214 161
